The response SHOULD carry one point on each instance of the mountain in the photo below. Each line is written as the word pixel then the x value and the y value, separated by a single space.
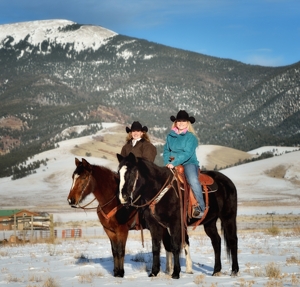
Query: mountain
pixel 57 74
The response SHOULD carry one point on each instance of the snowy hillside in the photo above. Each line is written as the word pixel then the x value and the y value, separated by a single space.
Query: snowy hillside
pixel 263 186
pixel 56 32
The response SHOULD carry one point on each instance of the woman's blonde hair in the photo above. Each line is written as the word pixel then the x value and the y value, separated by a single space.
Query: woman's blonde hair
pixel 144 136
pixel 190 127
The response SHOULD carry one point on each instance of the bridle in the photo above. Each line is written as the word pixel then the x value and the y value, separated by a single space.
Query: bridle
pixel 167 185
pixel 83 190
pixel 133 189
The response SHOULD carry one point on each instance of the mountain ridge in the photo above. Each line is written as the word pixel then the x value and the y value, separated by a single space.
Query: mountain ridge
pixel 48 86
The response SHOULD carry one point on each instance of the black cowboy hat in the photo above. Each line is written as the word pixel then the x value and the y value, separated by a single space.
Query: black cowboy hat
pixel 182 115
pixel 136 126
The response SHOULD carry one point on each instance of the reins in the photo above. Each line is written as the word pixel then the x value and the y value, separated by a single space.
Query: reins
pixel 161 192
pixel 96 207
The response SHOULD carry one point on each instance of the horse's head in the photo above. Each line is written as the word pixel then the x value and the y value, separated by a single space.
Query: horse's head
pixel 82 178
pixel 128 172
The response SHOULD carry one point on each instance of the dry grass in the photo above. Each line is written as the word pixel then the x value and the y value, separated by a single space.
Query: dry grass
pixel 293 260
pixel 245 283
pixel 199 279
pixel 273 271
pixel 87 277
pixel 50 282
pixel 273 231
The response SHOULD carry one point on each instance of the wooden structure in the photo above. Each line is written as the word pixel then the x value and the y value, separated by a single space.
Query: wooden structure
pixel 22 219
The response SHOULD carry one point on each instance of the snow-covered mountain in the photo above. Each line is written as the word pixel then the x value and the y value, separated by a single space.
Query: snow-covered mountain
pixel 55 32
pixel 56 74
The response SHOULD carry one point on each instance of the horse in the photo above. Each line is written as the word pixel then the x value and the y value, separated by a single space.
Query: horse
pixel 144 184
pixel 116 219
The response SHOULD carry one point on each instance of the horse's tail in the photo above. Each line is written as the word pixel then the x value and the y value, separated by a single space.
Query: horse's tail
pixel 226 241
pixel 229 231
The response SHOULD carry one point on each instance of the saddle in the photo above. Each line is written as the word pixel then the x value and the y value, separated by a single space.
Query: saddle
pixel 208 185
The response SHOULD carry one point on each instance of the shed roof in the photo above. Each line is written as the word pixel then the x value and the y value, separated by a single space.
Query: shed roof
pixel 9 212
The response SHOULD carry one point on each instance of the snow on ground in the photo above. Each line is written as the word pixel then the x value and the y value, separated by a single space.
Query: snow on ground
pixel 264 260
pixel 260 181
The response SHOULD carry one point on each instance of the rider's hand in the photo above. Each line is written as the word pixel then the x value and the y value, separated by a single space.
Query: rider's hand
pixel 170 166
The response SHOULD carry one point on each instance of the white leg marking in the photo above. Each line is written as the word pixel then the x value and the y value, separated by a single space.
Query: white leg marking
pixel 169 262
pixel 122 182
pixel 188 260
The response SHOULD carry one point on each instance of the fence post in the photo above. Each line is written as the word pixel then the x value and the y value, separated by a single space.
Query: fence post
pixel 31 235
pixel 15 227
pixel 51 228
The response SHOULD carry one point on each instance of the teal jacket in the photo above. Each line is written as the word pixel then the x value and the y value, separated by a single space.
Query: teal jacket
pixel 182 147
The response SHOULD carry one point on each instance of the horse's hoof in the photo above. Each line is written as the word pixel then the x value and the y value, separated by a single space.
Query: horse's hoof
pixel 216 274
pixel 119 274
pixel 234 273
pixel 175 276
pixel 152 275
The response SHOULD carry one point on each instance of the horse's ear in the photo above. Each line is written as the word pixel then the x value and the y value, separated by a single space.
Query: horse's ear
pixel 120 157
pixel 86 164
pixel 77 162
pixel 132 158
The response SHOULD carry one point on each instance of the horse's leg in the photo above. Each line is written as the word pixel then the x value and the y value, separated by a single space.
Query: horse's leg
pixel 118 240
pixel 212 232
pixel 188 259
pixel 231 240
pixel 176 248
pixel 169 255
pixel 157 233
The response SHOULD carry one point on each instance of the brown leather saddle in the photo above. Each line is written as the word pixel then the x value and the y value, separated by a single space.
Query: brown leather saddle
pixel 208 185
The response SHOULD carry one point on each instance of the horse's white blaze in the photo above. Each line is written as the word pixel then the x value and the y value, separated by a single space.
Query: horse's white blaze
pixel 188 260
pixel 74 180
pixel 122 182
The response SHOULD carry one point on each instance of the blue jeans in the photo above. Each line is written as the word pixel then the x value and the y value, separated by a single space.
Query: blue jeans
pixel 191 174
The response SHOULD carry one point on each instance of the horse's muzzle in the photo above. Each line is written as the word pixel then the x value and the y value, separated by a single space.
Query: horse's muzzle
pixel 72 203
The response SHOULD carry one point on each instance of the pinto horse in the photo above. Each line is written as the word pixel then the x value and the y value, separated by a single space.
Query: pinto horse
pixel 144 184
pixel 116 219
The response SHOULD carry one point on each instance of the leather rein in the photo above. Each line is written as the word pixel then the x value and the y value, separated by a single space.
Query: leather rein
pixel 99 207
pixel 157 197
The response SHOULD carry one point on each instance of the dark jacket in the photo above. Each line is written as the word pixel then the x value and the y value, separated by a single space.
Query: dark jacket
pixel 142 149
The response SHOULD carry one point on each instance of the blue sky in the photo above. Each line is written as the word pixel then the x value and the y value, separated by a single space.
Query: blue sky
pixel 262 32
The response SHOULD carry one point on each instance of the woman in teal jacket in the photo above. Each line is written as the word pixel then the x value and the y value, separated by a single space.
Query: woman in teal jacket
pixel 180 149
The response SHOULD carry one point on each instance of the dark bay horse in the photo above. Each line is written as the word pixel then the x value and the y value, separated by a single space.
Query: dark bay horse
pixel 143 183
pixel 116 219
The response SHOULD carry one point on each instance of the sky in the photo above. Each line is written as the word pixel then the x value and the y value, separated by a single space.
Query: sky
pixel 257 32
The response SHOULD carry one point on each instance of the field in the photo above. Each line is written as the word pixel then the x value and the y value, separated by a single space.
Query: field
pixel 268 223
pixel 269 257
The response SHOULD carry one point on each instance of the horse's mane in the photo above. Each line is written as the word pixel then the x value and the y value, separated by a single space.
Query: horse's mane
pixel 151 170
pixel 105 172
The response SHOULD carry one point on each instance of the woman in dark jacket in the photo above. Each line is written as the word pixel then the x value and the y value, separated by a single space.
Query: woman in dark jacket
pixel 138 142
